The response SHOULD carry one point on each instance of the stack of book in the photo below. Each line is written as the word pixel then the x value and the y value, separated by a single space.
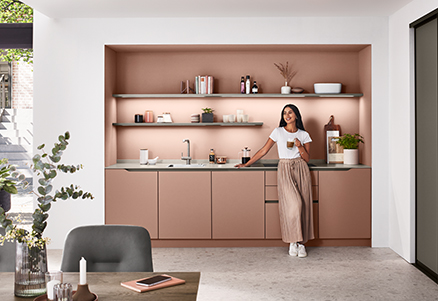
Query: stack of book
pixel 204 84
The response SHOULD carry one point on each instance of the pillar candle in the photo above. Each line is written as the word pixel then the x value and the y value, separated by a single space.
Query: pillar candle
pixel 82 271
pixel 50 286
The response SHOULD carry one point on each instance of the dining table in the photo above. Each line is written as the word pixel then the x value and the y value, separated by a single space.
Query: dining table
pixel 106 285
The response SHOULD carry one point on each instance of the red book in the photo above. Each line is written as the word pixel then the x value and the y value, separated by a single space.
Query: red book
pixel 141 288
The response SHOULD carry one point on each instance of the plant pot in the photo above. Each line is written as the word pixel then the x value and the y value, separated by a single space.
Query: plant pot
pixel 207 117
pixel 30 270
pixel 351 156
pixel 5 200
pixel 285 90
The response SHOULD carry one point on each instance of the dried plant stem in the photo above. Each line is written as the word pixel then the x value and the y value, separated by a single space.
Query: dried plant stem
pixel 285 72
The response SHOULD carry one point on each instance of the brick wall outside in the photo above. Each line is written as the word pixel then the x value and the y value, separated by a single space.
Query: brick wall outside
pixel 22 85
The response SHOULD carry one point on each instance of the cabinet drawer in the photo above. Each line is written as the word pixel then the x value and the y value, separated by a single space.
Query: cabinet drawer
pixel 271 193
pixel 271 177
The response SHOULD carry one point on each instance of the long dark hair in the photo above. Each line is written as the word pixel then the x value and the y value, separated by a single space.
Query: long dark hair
pixel 299 120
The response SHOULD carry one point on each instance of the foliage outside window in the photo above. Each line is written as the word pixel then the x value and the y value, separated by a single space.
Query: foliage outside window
pixel 12 11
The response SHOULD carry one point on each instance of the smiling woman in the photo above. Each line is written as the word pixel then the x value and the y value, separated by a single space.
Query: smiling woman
pixel 294 182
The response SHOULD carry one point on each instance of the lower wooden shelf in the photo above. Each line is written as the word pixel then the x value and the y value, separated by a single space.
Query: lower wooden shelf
pixel 190 124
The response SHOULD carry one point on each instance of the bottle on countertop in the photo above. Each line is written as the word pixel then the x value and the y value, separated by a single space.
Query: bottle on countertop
pixel 242 85
pixel 248 85
pixel 255 88
pixel 211 156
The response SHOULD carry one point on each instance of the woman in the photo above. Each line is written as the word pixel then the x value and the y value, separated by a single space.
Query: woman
pixel 293 177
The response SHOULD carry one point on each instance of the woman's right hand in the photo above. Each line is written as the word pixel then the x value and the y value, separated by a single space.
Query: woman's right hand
pixel 240 165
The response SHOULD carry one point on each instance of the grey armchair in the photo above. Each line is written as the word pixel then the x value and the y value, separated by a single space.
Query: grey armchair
pixel 108 248
pixel 7 255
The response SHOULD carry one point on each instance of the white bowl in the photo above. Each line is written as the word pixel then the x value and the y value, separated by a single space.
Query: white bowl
pixel 152 162
pixel 327 88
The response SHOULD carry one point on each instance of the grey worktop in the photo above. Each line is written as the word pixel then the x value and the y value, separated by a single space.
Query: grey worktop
pixel 162 165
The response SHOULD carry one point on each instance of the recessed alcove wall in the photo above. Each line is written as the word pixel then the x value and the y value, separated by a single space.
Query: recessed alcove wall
pixel 160 69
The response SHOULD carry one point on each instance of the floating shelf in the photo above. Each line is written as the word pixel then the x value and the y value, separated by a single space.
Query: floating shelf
pixel 166 124
pixel 263 95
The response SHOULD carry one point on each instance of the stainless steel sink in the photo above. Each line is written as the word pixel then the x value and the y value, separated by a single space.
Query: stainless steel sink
pixel 186 165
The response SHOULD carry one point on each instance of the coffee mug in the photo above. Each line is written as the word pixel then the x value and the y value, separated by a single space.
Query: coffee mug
pixel 290 143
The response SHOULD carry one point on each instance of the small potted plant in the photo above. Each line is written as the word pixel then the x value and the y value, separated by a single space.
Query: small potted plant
pixel 287 74
pixel 207 116
pixel 10 178
pixel 350 143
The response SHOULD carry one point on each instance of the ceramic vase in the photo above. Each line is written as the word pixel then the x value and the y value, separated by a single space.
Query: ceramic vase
pixel 285 90
pixel 351 156
pixel 30 270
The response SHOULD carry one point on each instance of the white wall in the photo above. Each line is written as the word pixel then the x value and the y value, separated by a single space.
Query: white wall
pixel 402 127
pixel 69 89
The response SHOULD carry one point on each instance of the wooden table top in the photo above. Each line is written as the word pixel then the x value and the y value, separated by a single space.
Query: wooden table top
pixel 107 286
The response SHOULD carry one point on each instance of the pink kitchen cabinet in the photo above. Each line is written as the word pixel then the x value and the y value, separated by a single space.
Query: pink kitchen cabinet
pixel 345 204
pixel 185 205
pixel 238 204
pixel 131 199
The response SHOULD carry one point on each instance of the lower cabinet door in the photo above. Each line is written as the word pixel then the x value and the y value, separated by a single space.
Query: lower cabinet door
pixel 272 218
pixel 345 204
pixel 238 204
pixel 185 205
pixel 131 199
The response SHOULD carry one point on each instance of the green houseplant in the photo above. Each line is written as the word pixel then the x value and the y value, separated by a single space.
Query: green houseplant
pixel 350 143
pixel 31 263
pixel 10 178
pixel 207 116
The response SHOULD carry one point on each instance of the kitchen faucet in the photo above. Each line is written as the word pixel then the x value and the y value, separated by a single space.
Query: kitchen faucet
pixel 188 158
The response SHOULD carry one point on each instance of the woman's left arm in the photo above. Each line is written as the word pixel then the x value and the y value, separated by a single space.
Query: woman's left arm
pixel 303 149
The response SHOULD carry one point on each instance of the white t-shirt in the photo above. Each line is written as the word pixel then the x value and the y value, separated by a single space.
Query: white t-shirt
pixel 280 136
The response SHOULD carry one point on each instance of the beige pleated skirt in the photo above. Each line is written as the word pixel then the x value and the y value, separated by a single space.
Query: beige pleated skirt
pixel 295 200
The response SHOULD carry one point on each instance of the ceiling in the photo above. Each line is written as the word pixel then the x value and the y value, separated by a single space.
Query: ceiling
pixel 214 8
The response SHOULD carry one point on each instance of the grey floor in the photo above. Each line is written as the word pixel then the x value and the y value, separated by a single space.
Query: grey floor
pixel 329 273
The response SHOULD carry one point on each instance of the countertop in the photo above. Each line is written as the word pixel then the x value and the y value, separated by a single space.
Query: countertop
pixel 162 165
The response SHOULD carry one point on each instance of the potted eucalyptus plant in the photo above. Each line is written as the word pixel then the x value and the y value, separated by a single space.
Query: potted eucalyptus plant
pixel 350 143
pixel 207 116
pixel 31 257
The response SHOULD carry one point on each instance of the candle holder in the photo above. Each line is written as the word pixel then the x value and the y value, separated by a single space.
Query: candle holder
pixel 52 278
pixel 83 294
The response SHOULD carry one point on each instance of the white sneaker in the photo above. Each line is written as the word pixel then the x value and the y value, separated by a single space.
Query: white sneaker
pixel 301 251
pixel 293 249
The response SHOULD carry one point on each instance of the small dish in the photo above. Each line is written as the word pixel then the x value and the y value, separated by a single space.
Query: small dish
pixel 221 159
pixel 297 90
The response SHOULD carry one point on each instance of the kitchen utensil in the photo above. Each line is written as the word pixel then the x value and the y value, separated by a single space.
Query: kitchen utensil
pixel 245 154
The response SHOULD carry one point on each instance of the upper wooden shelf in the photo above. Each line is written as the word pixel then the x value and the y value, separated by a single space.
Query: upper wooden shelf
pixel 265 95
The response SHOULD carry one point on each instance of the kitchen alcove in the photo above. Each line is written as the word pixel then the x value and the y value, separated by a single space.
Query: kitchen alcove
pixel 147 77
